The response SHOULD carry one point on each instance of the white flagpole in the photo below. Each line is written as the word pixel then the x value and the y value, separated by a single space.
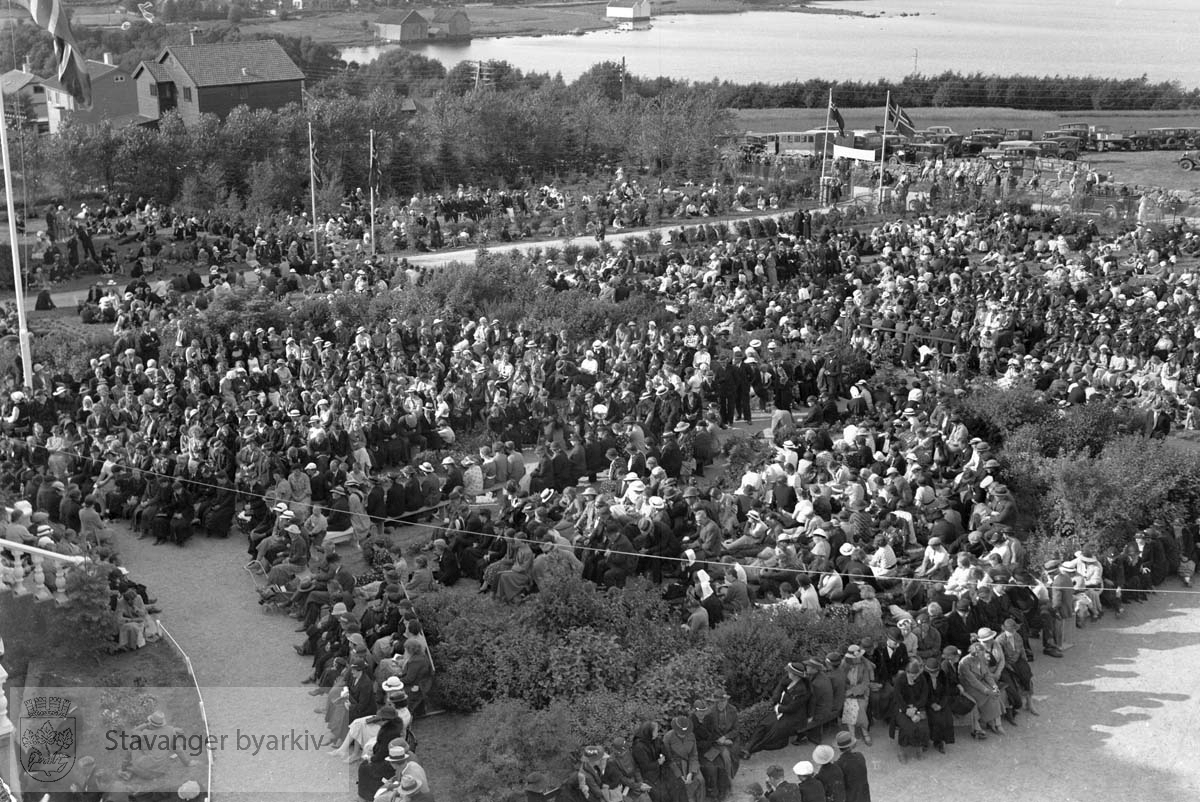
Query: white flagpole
pixel 883 147
pixel 312 191
pixel 371 189
pixel 825 144
pixel 18 281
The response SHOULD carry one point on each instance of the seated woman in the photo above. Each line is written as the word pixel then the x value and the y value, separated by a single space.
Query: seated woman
pixel 131 612
pixel 512 583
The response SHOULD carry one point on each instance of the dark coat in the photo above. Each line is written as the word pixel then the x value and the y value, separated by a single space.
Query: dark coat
pixel 854 773
pixel 831 777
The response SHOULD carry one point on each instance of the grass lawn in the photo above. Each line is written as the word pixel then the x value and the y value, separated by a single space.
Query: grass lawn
pixel 1148 168
pixel 116 693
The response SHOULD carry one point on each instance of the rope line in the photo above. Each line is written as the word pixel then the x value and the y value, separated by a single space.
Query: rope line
pixel 580 547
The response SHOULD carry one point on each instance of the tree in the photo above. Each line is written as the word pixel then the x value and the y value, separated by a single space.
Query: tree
pixel 87 620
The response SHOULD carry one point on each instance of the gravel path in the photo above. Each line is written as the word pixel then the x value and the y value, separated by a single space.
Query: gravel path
pixel 1119 721
pixel 248 674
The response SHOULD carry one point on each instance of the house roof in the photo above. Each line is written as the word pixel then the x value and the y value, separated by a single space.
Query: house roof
pixel 622 3
pixel 446 14
pixel 14 81
pixel 397 17
pixel 96 70
pixel 130 120
pixel 157 71
pixel 229 63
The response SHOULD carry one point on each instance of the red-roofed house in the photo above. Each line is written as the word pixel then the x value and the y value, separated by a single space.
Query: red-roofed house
pixel 217 78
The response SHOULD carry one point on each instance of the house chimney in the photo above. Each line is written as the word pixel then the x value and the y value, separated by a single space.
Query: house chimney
pixel 245 72
pixel 108 59
pixel 26 66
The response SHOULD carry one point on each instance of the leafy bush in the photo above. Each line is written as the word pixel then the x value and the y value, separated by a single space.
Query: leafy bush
pixel 522 665
pixel 751 718
pixel 817 636
pixel 753 650
pixel 462 633
pixel 71 351
pixel 585 661
pixel 506 742
pixel 598 717
pixel 993 413
pixel 670 687
pixel 755 646
pixel 86 620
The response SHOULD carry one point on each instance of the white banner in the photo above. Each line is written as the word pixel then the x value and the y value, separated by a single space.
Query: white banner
pixel 840 152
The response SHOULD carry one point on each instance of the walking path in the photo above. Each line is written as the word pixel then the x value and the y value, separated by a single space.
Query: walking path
pixel 1119 714
pixel 1120 720
pixel 248 673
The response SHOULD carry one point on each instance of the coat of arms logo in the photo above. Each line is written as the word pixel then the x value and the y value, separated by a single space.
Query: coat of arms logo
pixel 48 738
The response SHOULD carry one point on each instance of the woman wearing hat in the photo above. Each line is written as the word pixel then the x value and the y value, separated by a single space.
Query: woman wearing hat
pixel 511 584
pixel 860 674
pixel 683 757
pixel 911 688
pixel 650 759
pixel 979 683
pixel 792 703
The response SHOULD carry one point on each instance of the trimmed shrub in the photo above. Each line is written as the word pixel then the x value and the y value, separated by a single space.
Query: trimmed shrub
pixel 506 742
pixel 751 718
pixel 753 649
pixel 586 661
pixel 672 686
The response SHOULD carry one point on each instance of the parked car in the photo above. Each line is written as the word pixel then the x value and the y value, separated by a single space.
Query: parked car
pixel 1066 146
pixel 916 152
pixel 1103 138
pixel 1172 138
pixel 1188 161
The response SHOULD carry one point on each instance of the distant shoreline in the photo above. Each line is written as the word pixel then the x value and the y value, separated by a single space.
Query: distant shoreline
pixel 536 20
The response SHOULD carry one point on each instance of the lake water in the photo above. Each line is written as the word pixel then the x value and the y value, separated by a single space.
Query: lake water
pixel 1113 38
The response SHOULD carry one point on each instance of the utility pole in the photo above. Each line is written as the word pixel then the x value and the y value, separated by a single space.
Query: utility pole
pixel 622 79
pixel 915 61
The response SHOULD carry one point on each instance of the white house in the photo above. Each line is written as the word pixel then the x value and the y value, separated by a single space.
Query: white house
pixel 629 10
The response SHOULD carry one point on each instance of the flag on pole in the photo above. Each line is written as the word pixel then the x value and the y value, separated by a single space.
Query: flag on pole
pixel 51 16
pixel 836 116
pixel 314 164
pixel 147 10
pixel 376 172
pixel 898 119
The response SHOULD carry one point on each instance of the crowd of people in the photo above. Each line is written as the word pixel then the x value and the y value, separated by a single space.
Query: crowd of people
pixel 872 499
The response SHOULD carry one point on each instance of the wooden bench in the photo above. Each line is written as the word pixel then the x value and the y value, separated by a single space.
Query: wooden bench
pixel 333 538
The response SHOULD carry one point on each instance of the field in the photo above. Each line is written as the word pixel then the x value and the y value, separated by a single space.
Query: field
pixel 1151 169
pixel 962 120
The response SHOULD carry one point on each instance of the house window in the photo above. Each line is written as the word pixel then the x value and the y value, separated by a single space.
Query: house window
pixel 153 90
pixel 187 94
pixel 119 79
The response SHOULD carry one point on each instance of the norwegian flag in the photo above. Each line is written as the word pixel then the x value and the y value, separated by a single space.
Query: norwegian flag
pixel 898 118
pixel 72 69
